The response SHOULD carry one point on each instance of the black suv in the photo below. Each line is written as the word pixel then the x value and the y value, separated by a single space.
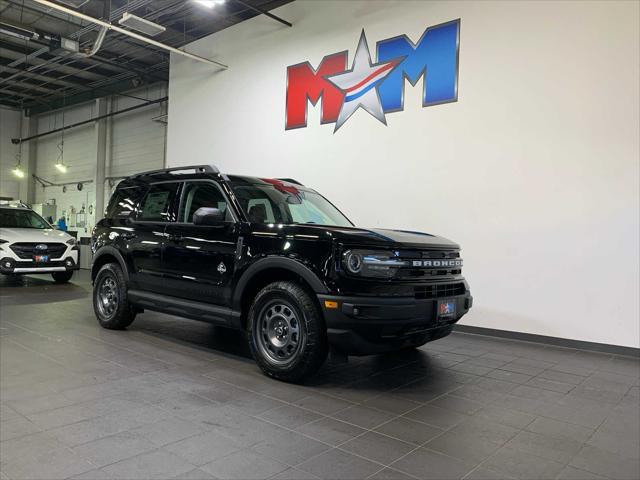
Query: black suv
pixel 276 259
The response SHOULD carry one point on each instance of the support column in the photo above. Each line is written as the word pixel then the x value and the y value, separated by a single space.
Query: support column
pixel 29 126
pixel 102 108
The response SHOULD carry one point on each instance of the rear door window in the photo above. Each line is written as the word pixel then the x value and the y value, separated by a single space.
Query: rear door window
pixel 157 203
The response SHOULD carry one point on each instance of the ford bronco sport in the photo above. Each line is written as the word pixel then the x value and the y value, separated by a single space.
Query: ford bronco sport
pixel 273 258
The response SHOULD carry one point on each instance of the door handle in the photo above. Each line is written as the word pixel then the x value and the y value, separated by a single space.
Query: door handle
pixel 177 238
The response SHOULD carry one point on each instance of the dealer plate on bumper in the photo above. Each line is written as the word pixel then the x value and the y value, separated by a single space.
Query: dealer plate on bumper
pixel 41 258
pixel 446 309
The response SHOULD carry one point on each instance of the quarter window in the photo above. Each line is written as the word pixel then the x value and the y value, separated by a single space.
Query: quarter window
pixel 124 202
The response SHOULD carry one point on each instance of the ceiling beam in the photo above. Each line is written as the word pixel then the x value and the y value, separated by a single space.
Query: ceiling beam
pixel 264 12
pixel 113 89
pixel 131 34
pixel 117 13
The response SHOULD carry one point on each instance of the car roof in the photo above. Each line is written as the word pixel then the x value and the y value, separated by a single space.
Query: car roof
pixel 166 176
pixel 15 207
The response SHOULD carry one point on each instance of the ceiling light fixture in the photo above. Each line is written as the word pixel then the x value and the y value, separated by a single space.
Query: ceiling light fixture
pixel 62 168
pixel 210 3
pixel 17 171
pixel 140 24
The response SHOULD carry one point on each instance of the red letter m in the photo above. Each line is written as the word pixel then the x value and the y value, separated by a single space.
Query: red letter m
pixel 303 82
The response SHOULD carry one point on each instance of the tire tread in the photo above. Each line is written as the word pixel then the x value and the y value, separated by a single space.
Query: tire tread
pixel 316 348
pixel 125 314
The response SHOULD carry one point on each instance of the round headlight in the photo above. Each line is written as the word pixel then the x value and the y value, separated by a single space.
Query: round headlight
pixel 353 262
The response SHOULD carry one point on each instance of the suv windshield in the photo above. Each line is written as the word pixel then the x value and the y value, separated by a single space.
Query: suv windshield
pixel 279 202
pixel 14 218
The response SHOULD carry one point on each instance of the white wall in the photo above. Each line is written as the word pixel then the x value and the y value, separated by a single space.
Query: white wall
pixel 135 143
pixel 534 170
pixel 9 128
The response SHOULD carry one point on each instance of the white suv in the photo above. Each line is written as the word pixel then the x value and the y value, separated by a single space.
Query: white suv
pixel 29 244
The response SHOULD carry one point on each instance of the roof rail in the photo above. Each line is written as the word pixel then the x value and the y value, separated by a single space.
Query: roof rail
pixel 197 168
pixel 291 180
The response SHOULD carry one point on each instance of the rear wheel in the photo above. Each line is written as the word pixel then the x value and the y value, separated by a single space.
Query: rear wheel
pixel 62 277
pixel 110 303
pixel 286 332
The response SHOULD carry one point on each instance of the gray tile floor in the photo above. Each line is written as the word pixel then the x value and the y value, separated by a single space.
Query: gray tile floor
pixel 172 398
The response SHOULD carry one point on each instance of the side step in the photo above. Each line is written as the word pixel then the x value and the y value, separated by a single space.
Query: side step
pixel 183 307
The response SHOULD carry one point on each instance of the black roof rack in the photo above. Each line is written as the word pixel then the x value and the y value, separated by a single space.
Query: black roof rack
pixel 197 168
pixel 291 180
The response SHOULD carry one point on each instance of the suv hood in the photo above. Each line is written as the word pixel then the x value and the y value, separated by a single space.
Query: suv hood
pixel 48 235
pixel 383 238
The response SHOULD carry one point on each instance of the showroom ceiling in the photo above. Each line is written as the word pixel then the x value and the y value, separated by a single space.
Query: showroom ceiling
pixel 37 75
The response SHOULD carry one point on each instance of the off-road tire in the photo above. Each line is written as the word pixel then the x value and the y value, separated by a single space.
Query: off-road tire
pixel 313 347
pixel 62 277
pixel 123 313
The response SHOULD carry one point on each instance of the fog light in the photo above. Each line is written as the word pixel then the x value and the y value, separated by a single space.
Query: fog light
pixel 7 264
pixel 69 262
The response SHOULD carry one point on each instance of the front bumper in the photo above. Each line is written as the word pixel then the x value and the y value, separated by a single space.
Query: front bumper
pixel 10 265
pixel 368 325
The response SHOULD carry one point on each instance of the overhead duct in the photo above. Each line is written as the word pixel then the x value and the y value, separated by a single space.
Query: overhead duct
pixel 96 45
pixel 55 42
pixel 129 33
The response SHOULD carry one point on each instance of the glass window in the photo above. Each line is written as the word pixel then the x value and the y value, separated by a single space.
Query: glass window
pixel 278 202
pixel 157 203
pixel 124 202
pixel 260 211
pixel 202 194
pixel 14 218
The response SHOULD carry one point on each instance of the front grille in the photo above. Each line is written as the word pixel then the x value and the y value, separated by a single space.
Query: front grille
pixel 439 291
pixel 414 271
pixel 27 250
pixel 55 263
pixel 440 254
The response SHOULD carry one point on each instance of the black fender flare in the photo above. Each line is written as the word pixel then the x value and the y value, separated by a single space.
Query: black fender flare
pixel 109 250
pixel 284 263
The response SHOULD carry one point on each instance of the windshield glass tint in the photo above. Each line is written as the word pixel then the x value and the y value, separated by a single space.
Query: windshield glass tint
pixel 284 203
pixel 10 218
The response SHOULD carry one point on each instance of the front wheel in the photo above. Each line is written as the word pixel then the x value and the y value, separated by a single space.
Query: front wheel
pixel 110 303
pixel 62 277
pixel 287 334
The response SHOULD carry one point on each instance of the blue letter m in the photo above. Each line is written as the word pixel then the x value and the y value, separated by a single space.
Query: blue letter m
pixel 435 56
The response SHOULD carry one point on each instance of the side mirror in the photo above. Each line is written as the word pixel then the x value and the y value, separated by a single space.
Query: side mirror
pixel 208 216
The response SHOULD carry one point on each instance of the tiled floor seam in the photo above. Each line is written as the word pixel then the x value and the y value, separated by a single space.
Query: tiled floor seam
pixel 418 447
pixel 585 444
pixel 79 350
pixel 564 464
pixel 346 441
